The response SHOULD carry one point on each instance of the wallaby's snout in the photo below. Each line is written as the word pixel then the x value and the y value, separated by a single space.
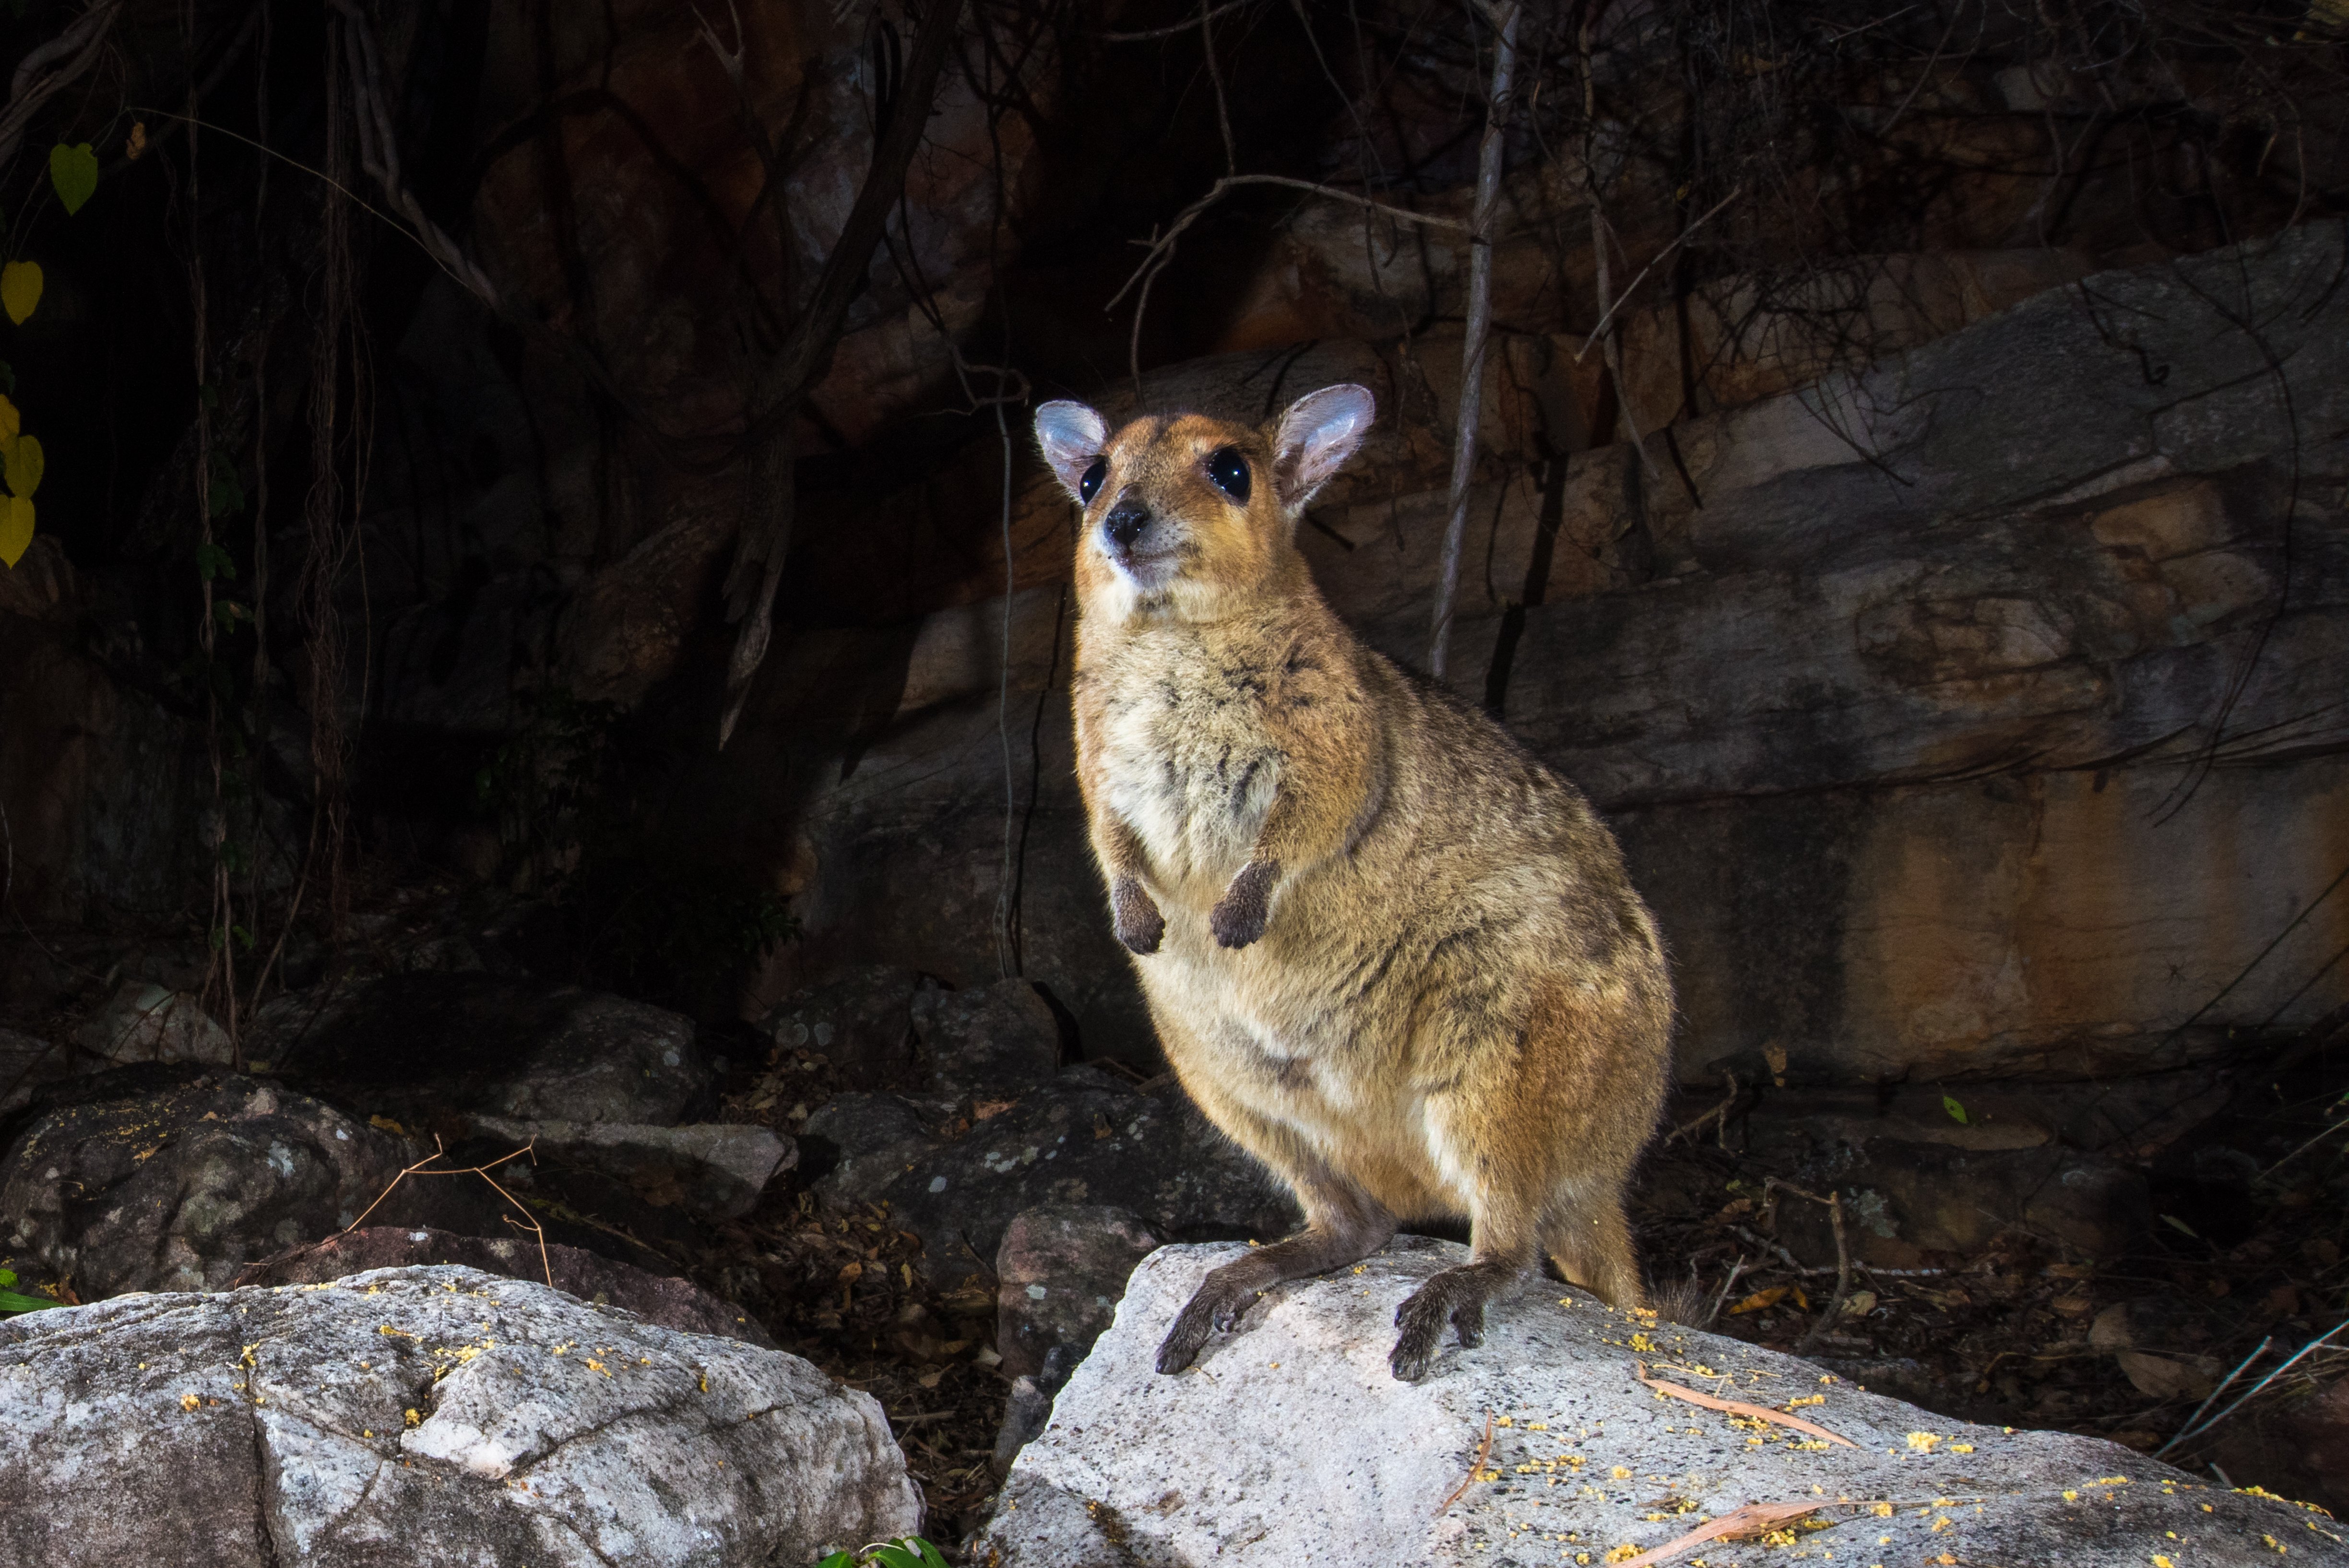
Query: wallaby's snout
pixel 1127 522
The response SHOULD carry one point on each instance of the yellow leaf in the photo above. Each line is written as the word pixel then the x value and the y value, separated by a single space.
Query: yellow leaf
pixel 15 529
pixel 11 422
pixel 24 466
pixel 20 289
pixel 1759 1300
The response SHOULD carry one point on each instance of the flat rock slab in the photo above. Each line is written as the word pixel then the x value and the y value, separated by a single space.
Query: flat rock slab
pixel 1290 1442
pixel 427 1415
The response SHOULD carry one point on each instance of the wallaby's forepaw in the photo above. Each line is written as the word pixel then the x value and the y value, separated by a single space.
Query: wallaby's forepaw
pixel 1215 1309
pixel 1139 924
pixel 1422 1318
pixel 1239 917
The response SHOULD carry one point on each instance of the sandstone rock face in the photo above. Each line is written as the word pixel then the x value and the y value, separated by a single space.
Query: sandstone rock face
pixel 1966 718
pixel 414 1044
pixel 1292 1443
pixel 180 1187
pixel 665 1300
pixel 436 1415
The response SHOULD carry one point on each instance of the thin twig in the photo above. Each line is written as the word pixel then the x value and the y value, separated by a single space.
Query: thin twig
pixel 528 1220
pixel 1162 246
pixel 2255 1389
pixel 1739 1407
pixel 1173 29
pixel 2224 1384
pixel 1483 1451
pixel 1721 1110
pixel 1652 264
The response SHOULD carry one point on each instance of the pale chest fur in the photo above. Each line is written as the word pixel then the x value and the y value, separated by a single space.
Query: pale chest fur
pixel 1190 749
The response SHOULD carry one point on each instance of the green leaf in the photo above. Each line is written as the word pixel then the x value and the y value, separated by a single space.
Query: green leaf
pixel 927 1552
pixel 12 1302
pixel 214 561
pixel 20 289
pixel 225 497
pixel 74 172
pixel 838 1559
pixel 1957 1112
pixel 7 1278
pixel 228 612
pixel 2173 1220
pixel 25 465
pixel 891 1557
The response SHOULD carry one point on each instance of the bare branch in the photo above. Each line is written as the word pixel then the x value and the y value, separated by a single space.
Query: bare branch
pixel 50 67
pixel 1498 103
pixel 379 154
pixel 1149 35
pixel 806 355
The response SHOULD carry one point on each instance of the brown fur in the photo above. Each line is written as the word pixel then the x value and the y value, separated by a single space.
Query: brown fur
pixel 1387 951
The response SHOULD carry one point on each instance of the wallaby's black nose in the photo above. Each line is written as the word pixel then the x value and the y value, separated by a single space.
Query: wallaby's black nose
pixel 1125 522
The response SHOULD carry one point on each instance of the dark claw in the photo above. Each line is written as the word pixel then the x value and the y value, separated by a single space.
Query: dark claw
pixel 1239 917
pixel 1211 1312
pixel 1139 925
pixel 1421 1318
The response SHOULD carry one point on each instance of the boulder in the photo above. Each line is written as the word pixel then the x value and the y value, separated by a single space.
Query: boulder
pixel 716 1169
pixel 1291 1442
pixel 1082 1140
pixel 990 1041
pixel 863 1023
pixel 1058 1276
pixel 142 1021
pixel 426 1414
pixel 421 1046
pixel 856 1145
pixel 179 1187
pixel 665 1300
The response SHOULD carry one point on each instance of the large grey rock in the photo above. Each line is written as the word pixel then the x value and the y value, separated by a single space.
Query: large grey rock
pixel 177 1188
pixel 1291 1442
pixel 862 1024
pixel 986 1041
pixel 716 1169
pixel 429 1415
pixel 856 1144
pixel 142 1021
pixel 661 1299
pixel 423 1045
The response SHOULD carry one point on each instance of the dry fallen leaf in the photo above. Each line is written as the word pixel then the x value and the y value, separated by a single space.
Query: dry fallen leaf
pixel 1760 1300
pixel 1739 1407
pixel 1751 1519
pixel 2160 1378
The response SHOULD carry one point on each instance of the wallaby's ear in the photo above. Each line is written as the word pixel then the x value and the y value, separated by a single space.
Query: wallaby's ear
pixel 1071 436
pixel 1318 434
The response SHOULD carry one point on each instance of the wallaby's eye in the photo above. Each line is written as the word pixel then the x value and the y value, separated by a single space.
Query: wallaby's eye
pixel 1090 485
pixel 1228 469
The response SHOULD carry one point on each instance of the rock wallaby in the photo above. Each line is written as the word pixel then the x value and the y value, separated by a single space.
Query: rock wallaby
pixel 1387 951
